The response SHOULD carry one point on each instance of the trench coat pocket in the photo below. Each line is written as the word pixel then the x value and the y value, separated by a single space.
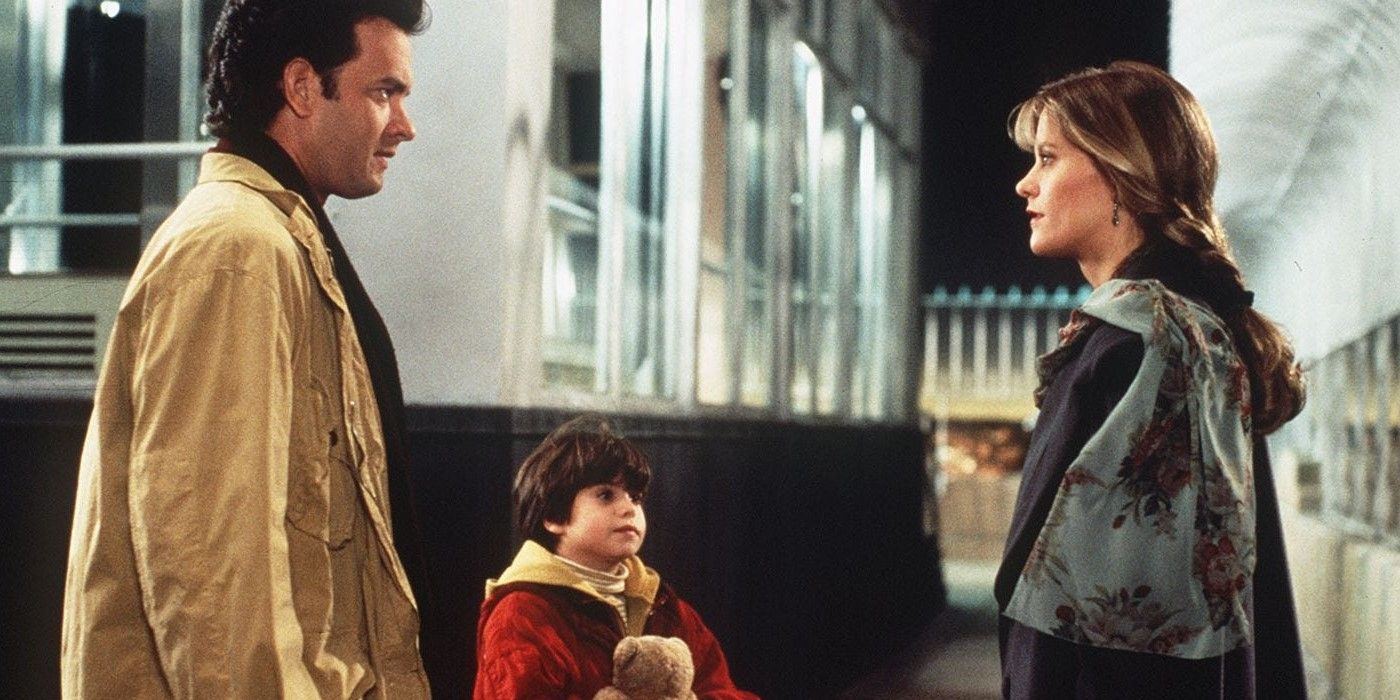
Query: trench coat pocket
pixel 322 497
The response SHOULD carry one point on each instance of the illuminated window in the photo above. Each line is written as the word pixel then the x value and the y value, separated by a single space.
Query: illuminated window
pixel 741 233
pixel 819 222
pixel 609 269
pixel 715 352
pixel 80 191
pixel 570 283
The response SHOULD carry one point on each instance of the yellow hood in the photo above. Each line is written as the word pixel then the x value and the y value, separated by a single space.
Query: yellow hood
pixel 535 564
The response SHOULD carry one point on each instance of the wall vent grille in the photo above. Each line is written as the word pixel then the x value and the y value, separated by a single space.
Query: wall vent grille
pixel 54 331
pixel 36 345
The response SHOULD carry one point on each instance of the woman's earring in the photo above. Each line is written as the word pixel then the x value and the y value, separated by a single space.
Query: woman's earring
pixel 1115 212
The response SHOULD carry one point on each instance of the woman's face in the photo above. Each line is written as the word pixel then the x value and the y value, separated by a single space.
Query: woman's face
pixel 1070 205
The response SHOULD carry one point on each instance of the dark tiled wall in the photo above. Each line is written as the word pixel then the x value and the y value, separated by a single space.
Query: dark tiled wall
pixel 800 544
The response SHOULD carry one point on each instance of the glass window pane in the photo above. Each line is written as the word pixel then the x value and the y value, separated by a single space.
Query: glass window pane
pixel 874 214
pixel 103 86
pixel 910 101
pixel 889 74
pixel 811 21
pixel 867 59
pixel 805 201
pixel 79 79
pixel 644 293
pixel 570 314
pixel 713 357
pixel 903 319
pixel 24 188
pixel 76 74
pixel 832 229
pixel 757 325
pixel 882 300
pixel 570 283
pixel 610 289
pixel 864 214
pixel 840 23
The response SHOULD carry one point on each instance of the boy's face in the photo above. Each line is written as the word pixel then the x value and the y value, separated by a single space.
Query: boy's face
pixel 605 527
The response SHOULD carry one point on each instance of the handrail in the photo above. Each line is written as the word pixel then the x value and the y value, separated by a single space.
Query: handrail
pixel 572 209
pixel 17 220
pixel 106 151
pixel 1013 298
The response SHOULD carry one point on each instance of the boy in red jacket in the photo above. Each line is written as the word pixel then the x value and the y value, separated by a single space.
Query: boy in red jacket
pixel 550 623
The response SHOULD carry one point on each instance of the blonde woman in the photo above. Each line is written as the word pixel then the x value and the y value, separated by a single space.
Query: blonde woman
pixel 1145 557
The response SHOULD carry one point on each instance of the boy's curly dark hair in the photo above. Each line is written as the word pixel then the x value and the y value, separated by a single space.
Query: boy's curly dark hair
pixel 583 452
pixel 255 39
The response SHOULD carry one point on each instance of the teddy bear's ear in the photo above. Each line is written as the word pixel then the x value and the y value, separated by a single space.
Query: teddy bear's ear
pixel 626 652
pixel 677 646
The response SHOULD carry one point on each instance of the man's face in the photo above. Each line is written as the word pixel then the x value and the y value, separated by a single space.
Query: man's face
pixel 358 131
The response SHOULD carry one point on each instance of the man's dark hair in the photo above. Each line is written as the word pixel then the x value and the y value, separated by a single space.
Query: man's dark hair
pixel 255 39
pixel 583 452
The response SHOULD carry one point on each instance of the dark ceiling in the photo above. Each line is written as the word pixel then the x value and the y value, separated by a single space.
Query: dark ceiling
pixel 984 56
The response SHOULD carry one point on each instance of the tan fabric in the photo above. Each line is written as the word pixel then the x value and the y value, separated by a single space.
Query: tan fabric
pixel 231 536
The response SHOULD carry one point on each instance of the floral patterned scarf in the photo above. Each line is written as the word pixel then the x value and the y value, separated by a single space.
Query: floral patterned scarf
pixel 1149 545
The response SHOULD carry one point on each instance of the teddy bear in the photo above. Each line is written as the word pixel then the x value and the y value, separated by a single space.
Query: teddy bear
pixel 650 668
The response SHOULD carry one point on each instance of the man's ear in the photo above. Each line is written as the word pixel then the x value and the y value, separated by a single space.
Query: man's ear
pixel 301 86
pixel 553 527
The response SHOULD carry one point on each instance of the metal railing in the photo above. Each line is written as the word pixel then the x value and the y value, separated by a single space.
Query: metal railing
pixel 980 349
pixel 980 354
pixel 105 151
pixel 152 151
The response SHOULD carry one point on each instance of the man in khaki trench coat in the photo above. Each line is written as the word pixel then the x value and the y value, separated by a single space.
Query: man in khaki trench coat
pixel 232 534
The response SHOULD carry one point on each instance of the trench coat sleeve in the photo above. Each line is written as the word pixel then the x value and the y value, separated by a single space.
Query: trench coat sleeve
pixel 211 400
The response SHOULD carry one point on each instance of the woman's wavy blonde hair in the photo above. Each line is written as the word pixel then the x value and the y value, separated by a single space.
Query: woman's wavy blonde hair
pixel 1151 141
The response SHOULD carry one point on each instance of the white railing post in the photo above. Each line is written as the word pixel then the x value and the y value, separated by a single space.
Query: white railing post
pixel 955 341
pixel 980 343
pixel 1004 310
